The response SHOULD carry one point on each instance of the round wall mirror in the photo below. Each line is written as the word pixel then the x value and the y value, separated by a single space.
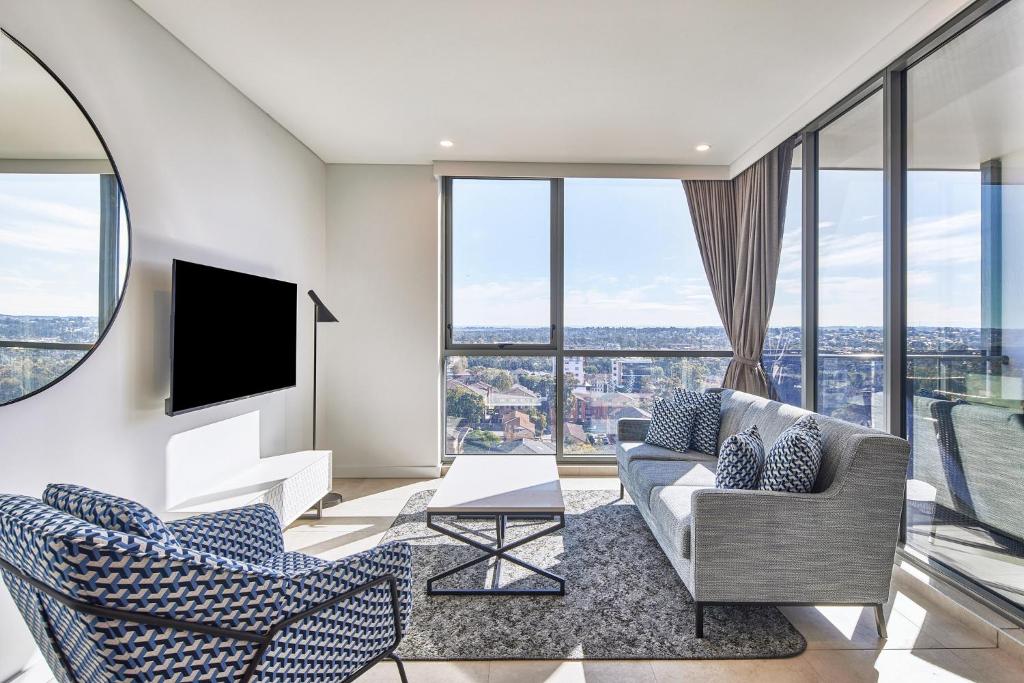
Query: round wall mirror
pixel 64 235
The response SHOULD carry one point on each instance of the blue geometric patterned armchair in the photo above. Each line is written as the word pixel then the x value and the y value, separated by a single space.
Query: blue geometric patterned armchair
pixel 111 593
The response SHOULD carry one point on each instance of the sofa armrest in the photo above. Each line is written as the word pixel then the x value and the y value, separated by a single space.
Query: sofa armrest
pixel 777 547
pixel 632 429
pixel 249 534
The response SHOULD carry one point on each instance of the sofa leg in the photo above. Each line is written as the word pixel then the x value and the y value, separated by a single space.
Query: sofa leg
pixel 622 490
pixel 401 667
pixel 698 619
pixel 880 621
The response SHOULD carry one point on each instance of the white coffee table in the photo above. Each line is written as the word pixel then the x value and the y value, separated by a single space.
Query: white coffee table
pixel 498 486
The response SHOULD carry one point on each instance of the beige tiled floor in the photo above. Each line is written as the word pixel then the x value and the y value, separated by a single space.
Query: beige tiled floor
pixel 928 641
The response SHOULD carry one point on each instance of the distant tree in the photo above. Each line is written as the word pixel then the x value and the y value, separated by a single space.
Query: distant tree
pixel 464 403
pixel 483 437
pixel 540 384
pixel 499 379
pixel 539 419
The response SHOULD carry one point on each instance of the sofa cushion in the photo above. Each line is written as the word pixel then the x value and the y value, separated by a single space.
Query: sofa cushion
pixel 793 460
pixel 671 510
pixel 740 461
pixel 704 435
pixel 108 511
pixel 628 451
pixel 671 425
pixel 646 475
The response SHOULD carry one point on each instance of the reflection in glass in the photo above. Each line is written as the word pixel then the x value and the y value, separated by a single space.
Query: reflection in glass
pixel 499 404
pixel 850 287
pixel 965 315
pixel 783 346
pixel 599 391
pixel 501 261
pixel 63 230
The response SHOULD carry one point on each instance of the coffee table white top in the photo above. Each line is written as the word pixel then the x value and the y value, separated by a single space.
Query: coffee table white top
pixel 500 483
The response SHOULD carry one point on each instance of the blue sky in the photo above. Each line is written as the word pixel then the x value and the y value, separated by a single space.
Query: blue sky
pixel 631 258
pixel 49 244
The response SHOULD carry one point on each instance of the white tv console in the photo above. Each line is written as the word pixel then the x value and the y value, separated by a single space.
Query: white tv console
pixel 218 467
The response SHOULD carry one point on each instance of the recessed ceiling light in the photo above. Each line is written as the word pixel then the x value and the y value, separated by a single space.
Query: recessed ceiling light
pixel 702 147
pixel 447 143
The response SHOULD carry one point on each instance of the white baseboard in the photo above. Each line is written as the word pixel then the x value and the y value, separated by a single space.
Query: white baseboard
pixel 342 471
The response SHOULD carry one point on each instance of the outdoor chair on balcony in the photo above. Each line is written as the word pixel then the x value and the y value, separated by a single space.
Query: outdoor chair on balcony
pixel 111 593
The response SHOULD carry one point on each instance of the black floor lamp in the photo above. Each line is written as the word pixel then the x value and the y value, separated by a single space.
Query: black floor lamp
pixel 321 314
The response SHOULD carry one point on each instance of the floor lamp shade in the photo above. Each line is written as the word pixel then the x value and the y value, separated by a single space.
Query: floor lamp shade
pixel 323 314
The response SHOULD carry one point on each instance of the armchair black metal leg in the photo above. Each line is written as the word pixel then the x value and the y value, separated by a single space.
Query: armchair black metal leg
pixel 880 621
pixel 698 619
pixel 401 667
pixel 622 490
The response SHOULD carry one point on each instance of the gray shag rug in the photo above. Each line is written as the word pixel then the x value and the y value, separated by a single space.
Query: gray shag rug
pixel 623 599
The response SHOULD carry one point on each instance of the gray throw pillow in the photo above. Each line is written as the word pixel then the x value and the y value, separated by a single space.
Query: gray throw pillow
pixel 671 425
pixel 792 462
pixel 709 418
pixel 740 461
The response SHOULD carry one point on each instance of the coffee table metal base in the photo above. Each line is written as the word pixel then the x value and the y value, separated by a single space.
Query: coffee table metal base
pixel 499 551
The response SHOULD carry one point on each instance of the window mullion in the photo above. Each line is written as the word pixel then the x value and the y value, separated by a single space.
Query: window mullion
pixel 558 306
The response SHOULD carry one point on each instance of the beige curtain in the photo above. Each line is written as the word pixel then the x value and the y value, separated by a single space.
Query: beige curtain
pixel 739 224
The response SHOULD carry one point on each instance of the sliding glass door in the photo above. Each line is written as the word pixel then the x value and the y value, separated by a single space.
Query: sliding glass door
pixel 965 304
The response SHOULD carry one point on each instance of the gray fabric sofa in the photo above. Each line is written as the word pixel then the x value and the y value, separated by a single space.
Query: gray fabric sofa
pixel 834 545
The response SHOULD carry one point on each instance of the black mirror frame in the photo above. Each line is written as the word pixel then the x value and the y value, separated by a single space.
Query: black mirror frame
pixel 127 217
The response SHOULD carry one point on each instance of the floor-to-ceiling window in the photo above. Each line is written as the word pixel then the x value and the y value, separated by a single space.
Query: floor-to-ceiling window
pixel 782 355
pixel 850 286
pixel 533 365
pixel 634 284
pixel 500 301
pixel 965 304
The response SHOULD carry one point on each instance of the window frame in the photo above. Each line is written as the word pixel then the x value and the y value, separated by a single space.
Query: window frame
pixel 892 81
pixel 554 295
pixel 556 349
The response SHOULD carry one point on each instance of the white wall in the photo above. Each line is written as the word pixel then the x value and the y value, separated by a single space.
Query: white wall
pixel 209 177
pixel 382 363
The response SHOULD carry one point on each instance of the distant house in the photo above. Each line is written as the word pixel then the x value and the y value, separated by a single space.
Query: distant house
pixel 517 425
pixel 599 412
pixel 575 434
pixel 517 396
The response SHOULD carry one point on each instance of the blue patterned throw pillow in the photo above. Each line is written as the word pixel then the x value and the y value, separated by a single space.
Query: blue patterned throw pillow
pixel 108 511
pixel 671 424
pixel 709 418
pixel 740 461
pixel 793 460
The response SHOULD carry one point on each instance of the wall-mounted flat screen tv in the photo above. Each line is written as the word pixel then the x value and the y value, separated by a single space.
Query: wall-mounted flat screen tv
pixel 232 336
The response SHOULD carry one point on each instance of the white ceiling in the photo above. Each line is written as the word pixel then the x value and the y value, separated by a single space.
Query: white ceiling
pixel 590 81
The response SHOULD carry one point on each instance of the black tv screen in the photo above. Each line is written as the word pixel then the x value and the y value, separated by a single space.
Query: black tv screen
pixel 232 336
